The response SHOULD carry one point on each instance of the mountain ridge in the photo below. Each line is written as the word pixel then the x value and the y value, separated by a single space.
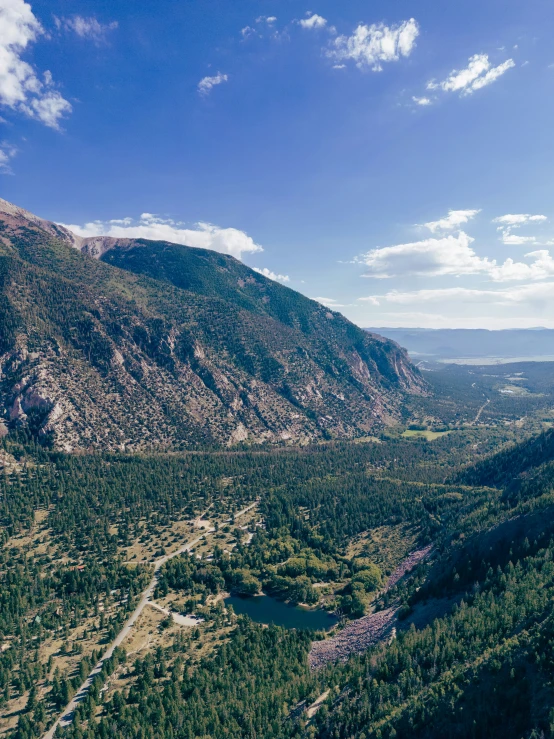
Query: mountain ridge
pixel 154 344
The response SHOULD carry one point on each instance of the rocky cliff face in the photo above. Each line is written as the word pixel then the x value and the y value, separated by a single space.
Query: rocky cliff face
pixel 152 344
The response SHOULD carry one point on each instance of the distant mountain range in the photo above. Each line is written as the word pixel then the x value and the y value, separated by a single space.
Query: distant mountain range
pixel 134 344
pixel 436 344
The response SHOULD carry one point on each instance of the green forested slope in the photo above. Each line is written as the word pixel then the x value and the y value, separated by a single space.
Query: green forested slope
pixel 483 669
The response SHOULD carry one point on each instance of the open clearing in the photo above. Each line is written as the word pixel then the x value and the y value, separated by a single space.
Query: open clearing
pixel 424 434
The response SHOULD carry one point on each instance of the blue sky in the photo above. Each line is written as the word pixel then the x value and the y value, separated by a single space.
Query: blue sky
pixel 392 159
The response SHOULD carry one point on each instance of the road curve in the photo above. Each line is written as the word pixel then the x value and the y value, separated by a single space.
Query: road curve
pixel 67 715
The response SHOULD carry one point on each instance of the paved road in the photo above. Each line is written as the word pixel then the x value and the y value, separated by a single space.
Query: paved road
pixel 67 716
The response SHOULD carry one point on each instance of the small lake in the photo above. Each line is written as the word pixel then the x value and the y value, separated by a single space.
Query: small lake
pixel 266 610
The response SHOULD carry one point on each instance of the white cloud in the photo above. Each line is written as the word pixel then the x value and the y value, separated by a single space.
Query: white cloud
pixel 516 240
pixel 330 303
pixel 519 219
pixel 313 22
pixel 478 74
pixel 454 219
pixel 207 83
pixel 542 266
pixel 269 19
pixel 512 221
pixel 422 101
pixel 89 28
pixel 261 20
pixel 368 46
pixel 452 255
pixel 272 275
pixel 537 293
pixel 21 88
pixel 7 152
pixel 204 235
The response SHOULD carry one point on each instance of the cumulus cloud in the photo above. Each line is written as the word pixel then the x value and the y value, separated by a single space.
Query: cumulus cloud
pixel 7 152
pixel 149 226
pixel 88 28
pixel 313 22
pixel 369 46
pixel 454 219
pixel 21 88
pixel 271 275
pixel 451 255
pixel 206 84
pixel 478 74
pixel 541 266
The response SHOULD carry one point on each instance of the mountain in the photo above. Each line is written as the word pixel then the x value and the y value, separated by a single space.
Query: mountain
pixel 472 343
pixel 124 343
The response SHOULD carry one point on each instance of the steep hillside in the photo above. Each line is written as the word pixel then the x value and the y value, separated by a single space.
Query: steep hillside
pixel 154 344
pixel 525 471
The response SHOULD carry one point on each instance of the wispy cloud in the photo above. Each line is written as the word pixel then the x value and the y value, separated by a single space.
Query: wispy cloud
pixel 454 219
pixel 257 29
pixel 150 226
pixel 370 46
pixel 479 73
pixel 269 19
pixel 511 221
pixel 86 27
pixel 206 84
pixel 330 303
pixel 527 293
pixel 519 219
pixel 272 275
pixel 422 101
pixel 21 87
pixel 7 153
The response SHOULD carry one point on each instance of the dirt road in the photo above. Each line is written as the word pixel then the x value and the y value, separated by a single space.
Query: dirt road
pixel 481 409
pixel 67 715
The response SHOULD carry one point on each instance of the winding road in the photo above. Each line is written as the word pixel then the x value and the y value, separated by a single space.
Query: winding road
pixel 67 714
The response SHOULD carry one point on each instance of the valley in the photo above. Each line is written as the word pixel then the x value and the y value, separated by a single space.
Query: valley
pixel 229 512
pixel 364 531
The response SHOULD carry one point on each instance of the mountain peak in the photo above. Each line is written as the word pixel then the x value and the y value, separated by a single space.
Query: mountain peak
pixel 94 246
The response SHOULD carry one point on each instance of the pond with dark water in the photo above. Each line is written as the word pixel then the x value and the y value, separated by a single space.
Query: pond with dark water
pixel 266 610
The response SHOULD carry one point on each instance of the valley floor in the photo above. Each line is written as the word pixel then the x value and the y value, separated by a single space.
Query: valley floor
pixel 434 556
